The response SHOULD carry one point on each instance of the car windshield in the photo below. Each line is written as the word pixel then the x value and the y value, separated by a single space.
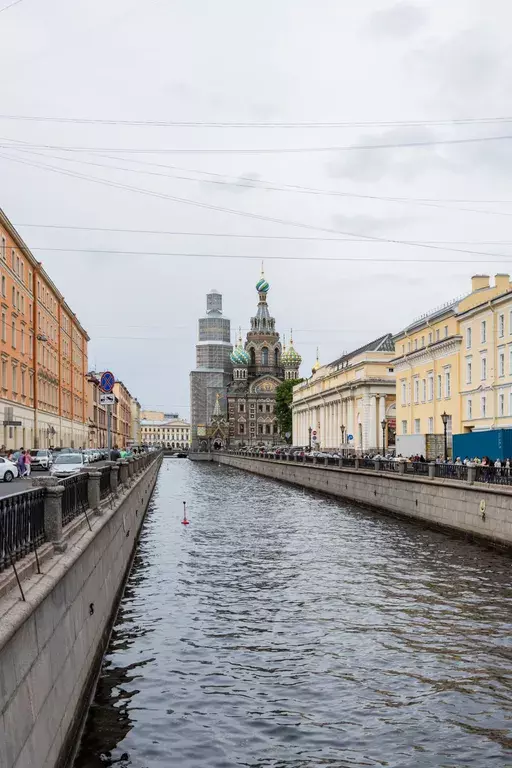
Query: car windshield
pixel 69 458
pixel 38 453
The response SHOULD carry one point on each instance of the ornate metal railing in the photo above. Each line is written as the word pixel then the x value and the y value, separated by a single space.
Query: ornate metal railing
pixel 21 525
pixel 495 475
pixel 416 467
pixel 105 482
pixel 74 498
pixel 452 471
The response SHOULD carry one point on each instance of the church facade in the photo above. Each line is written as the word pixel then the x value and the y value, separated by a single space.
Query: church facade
pixel 259 367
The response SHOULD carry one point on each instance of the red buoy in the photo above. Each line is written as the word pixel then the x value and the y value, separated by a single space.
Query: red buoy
pixel 185 521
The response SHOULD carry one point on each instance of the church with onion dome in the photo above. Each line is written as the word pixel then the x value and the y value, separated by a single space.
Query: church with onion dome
pixel 260 365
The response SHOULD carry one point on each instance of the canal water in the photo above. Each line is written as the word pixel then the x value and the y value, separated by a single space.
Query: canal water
pixel 281 629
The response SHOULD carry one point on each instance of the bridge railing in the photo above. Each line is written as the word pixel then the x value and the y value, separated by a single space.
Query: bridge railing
pixel 41 515
pixel 464 473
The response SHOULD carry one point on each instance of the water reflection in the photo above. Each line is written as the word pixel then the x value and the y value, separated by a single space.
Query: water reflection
pixel 285 629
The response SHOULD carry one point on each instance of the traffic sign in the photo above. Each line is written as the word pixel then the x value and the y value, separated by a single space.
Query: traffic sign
pixel 350 437
pixel 107 398
pixel 314 433
pixel 107 381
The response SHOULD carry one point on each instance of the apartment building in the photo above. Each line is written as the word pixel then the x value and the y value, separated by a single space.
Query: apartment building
pixel 455 363
pixel 96 414
pixel 43 354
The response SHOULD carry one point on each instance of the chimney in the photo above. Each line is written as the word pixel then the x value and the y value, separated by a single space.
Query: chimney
pixel 478 282
pixel 502 282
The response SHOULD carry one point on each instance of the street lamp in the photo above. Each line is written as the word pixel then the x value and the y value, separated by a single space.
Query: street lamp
pixel 444 418
pixel 383 425
pixel 342 430
pixel 310 429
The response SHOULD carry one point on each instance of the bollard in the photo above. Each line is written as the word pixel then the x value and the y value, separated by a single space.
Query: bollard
pixel 93 491
pixel 114 478
pixel 123 472
pixel 431 470
pixel 471 474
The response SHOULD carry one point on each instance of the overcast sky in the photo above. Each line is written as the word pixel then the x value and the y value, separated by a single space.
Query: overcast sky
pixel 270 61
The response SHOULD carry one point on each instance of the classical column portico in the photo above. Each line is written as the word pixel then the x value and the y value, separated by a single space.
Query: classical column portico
pixel 372 436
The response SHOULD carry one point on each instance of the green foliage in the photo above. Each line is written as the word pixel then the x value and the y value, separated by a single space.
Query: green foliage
pixel 284 395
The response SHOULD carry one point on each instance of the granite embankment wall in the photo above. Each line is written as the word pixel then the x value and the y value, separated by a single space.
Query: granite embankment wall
pixel 51 645
pixel 474 510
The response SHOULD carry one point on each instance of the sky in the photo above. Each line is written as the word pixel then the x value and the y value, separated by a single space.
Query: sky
pixel 179 142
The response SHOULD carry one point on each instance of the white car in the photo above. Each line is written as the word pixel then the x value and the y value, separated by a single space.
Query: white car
pixel 68 464
pixel 8 470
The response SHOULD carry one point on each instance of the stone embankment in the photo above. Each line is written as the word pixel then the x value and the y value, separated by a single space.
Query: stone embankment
pixel 475 509
pixel 71 546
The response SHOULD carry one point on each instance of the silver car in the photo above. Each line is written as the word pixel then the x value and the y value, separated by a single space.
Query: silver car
pixel 41 458
pixel 67 464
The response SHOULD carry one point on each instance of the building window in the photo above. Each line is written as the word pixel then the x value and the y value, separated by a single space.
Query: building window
pixel 501 404
pixel 447 384
pixel 264 356
pixel 417 426
pixel 14 378
pixel 483 331
pixel 468 338
pixel 260 407
pixel 23 392
pixel 510 360
pixel 430 425
pixel 416 390
pixel 14 296
pixel 501 326
pixel 430 387
pixel 408 347
pixel 438 334
pixel 3 248
pixel 13 334
pixel 267 408
pixel 430 337
pixel 4 327
pixel 241 407
pixel 404 390
pixel 423 390
pixel 260 429
pixel 469 408
pixel 484 406
pixel 484 368
pixel 4 374
pixel 422 341
pixel 3 286
pixel 241 428
pixel 446 331
pixel 415 344
pixel 404 427
pixel 469 366
pixel 501 364
pixel 439 387
pixel 267 429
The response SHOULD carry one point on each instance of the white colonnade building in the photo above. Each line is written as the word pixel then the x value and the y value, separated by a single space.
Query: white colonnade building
pixel 346 401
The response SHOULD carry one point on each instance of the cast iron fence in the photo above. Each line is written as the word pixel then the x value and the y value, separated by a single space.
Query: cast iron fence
pixel 21 525
pixel 495 475
pixel 452 471
pixel 105 482
pixel 74 498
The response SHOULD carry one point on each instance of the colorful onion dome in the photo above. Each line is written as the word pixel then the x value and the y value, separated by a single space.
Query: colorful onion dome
pixel 290 358
pixel 239 356
pixel 262 285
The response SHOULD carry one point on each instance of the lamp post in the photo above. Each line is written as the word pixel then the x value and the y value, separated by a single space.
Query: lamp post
pixel 342 430
pixel 383 425
pixel 444 418
pixel 310 429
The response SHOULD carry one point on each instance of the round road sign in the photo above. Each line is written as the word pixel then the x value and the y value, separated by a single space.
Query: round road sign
pixel 107 381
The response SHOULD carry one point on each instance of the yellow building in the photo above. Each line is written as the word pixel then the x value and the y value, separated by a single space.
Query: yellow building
pixel 440 354
pixel 344 403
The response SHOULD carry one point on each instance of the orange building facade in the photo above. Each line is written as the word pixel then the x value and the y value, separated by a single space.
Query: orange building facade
pixel 43 354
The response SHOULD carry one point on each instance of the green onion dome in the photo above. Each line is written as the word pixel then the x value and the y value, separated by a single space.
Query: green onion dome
pixel 262 286
pixel 239 356
pixel 291 358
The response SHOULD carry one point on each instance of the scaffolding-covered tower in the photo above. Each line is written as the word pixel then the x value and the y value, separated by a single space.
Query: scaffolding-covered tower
pixel 213 370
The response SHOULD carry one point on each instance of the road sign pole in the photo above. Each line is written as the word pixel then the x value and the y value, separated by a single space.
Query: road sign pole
pixel 109 431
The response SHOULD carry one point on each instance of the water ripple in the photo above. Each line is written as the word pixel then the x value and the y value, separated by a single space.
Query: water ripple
pixel 287 630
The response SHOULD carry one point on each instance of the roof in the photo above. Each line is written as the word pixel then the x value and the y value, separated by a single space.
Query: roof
pixel 164 423
pixel 382 344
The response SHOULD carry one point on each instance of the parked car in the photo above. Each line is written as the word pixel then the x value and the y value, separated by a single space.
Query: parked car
pixel 68 464
pixel 8 470
pixel 42 458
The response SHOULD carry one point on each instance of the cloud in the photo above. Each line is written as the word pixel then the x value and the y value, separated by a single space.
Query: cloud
pixel 401 20
pixel 404 163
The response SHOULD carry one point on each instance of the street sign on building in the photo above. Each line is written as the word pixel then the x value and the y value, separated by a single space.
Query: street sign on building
pixel 107 398
pixel 107 381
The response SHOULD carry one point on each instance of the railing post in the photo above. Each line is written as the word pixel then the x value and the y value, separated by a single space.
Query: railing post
pixel 471 474
pixel 123 472
pixel 131 468
pixel 114 478
pixel 326 460
pixel 376 464
pixel 340 462
pixel 431 470
pixel 53 516
pixel 401 467
pixel 356 462
pixel 93 491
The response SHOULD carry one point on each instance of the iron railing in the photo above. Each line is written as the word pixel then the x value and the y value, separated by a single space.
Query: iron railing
pixel 74 498
pixel 105 482
pixel 21 525
pixel 451 471
pixel 495 475
pixel 416 467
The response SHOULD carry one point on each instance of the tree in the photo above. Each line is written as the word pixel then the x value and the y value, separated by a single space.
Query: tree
pixel 284 395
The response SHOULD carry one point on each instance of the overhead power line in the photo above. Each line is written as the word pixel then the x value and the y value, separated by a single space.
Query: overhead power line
pixel 236 212
pixel 261 184
pixel 267 150
pixel 256 124
pixel 6 7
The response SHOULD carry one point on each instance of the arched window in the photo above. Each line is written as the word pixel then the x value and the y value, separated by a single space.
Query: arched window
pixel 264 356
pixel 276 357
pixel 253 356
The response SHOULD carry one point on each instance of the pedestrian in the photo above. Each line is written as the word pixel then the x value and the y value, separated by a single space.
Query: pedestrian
pixel 28 462
pixel 20 463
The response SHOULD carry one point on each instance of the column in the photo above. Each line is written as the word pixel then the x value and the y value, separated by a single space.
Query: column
pixel 372 438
